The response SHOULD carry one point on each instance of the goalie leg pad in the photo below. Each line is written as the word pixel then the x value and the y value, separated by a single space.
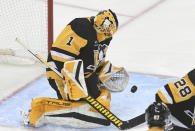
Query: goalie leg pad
pixel 73 114
pixel 40 106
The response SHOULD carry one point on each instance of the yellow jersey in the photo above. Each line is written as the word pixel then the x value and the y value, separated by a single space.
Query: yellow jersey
pixel 79 40
pixel 180 99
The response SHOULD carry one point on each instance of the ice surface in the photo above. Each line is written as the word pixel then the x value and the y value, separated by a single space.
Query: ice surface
pixel 154 37
pixel 125 105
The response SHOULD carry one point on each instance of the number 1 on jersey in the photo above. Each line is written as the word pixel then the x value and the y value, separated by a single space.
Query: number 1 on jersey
pixel 69 42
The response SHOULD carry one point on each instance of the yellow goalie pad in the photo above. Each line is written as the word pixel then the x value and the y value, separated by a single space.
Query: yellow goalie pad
pixel 75 85
pixel 42 106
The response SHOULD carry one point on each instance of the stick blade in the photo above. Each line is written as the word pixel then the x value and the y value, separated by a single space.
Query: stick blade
pixel 133 122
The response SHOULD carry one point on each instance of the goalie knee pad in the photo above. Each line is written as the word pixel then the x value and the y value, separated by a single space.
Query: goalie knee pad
pixel 77 114
pixel 57 83
pixel 72 86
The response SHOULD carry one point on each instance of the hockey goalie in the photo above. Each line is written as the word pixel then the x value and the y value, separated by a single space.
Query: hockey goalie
pixel 79 55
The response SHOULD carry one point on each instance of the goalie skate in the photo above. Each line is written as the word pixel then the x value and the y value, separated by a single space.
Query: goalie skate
pixel 25 118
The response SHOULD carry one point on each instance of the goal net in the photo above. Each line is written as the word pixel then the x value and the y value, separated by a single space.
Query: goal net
pixel 29 20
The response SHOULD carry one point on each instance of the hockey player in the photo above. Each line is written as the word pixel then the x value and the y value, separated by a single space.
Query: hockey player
pixel 157 116
pixel 179 96
pixel 79 55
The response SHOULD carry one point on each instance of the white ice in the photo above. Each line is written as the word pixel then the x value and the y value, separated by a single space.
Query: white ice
pixel 154 37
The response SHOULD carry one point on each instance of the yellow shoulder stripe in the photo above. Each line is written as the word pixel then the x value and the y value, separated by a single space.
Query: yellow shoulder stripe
pixel 162 97
pixel 69 41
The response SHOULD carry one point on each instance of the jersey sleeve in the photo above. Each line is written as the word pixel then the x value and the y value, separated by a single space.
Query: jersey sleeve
pixel 67 45
pixel 75 36
pixel 178 91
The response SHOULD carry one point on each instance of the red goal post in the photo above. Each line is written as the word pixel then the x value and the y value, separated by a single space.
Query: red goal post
pixel 31 21
pixel 50 24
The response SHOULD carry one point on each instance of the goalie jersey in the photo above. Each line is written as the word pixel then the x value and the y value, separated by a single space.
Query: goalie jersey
pixel 180 99
pixel 79 40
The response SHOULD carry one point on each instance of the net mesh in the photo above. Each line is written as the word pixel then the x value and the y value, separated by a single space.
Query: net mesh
pixel 27 20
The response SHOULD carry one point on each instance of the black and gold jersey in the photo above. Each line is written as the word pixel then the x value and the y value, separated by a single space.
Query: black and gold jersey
pixel 79 40
pixel 180 99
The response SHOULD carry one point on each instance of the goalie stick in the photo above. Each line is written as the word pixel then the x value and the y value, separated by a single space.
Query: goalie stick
pixel 122 125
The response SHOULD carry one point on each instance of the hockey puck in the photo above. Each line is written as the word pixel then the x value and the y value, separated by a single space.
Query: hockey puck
pixel 134 89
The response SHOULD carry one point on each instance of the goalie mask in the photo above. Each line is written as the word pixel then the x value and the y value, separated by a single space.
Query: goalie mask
pixel 106 22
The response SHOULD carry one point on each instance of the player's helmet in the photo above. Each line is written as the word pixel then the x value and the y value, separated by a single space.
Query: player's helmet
pixel 106 22
pixel 157 114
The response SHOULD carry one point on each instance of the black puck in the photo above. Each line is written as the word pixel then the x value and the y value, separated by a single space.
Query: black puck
pixel 134 89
